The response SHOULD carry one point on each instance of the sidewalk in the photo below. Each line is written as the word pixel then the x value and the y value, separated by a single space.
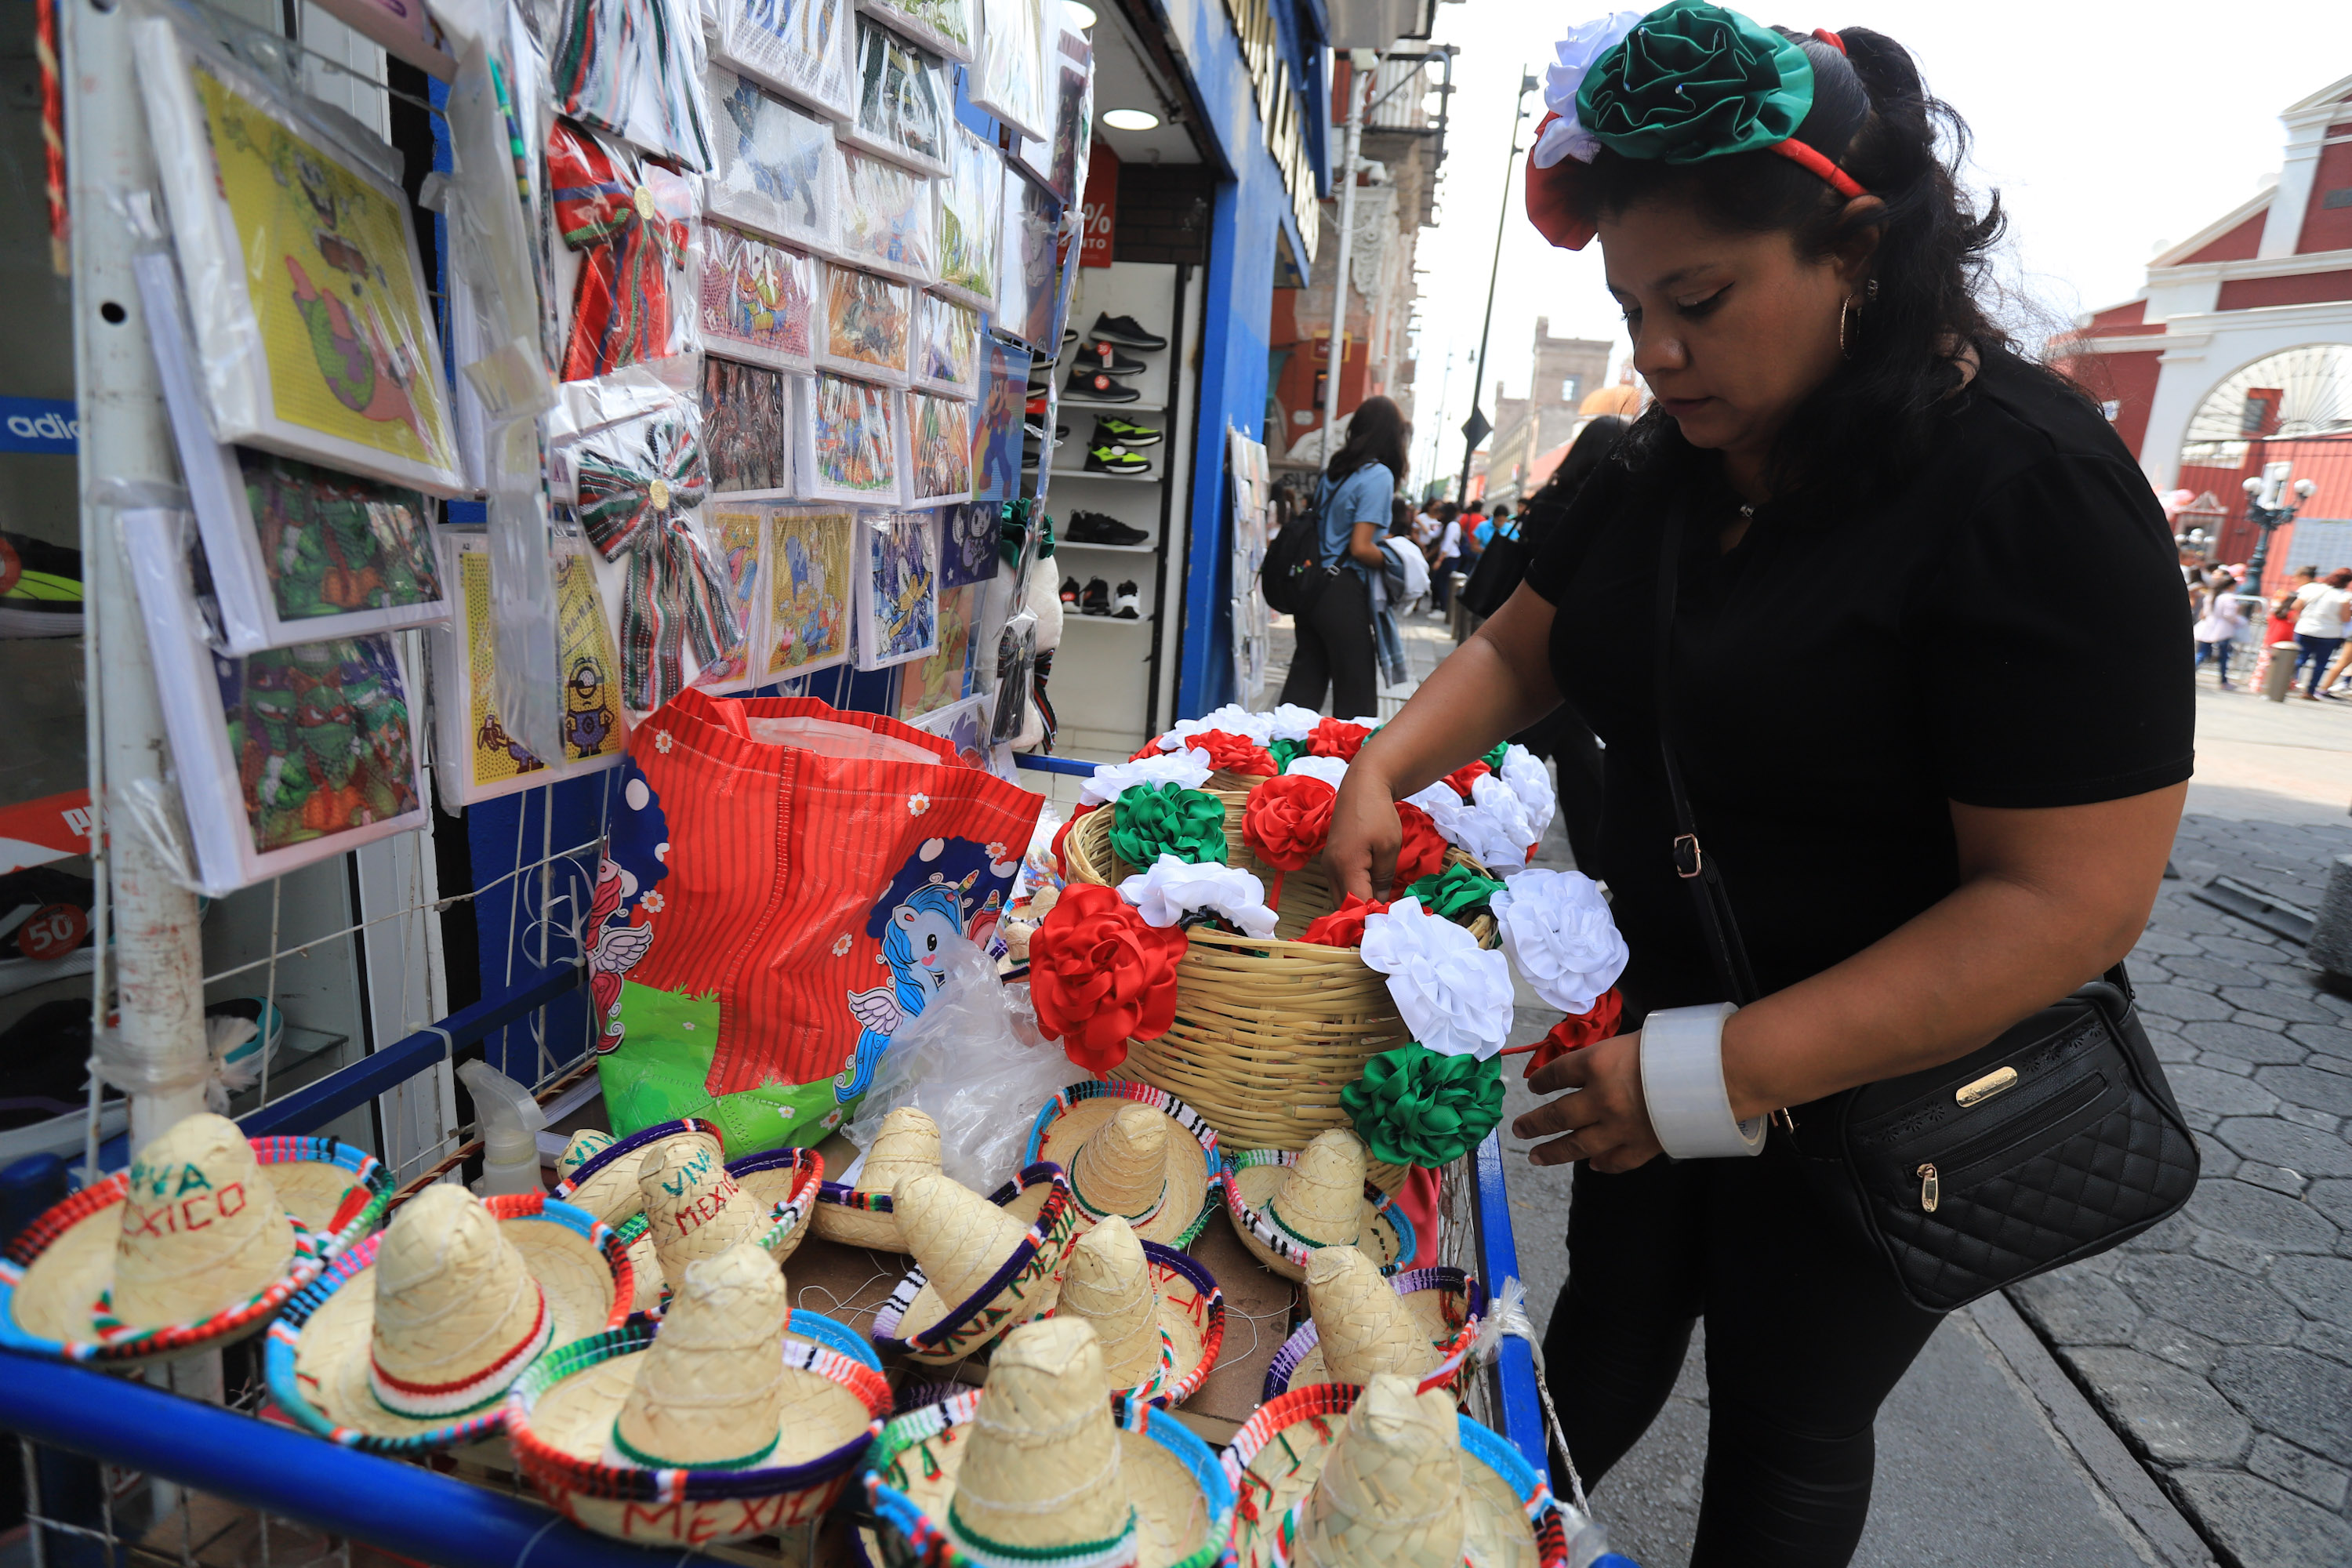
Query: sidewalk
pixel 2192 1390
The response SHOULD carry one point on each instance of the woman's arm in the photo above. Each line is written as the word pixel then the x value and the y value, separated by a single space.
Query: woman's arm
pixel 2048 899
pixel 1365 546
pixel 1491 688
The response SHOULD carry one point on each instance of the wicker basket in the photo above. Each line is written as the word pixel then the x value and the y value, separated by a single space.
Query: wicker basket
pixel 1268 1033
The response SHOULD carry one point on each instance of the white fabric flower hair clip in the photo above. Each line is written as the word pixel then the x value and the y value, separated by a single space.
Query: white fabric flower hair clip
pixel 1173 888
pixel 1564 138
pixel 1499 800
pixel 1560 936
pixel 1531 782
pixel 1292 722
pixel 1330 770
pixel 1232 719
pixel 1188 767
pixel 1455 995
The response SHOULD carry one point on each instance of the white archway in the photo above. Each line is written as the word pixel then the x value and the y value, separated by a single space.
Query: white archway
pixel 2234 339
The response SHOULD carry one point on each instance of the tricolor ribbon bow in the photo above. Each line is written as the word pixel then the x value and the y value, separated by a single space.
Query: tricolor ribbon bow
pixel 674 590
pixel 635 216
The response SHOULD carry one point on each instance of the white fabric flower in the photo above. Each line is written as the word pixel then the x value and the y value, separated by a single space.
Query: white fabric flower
pixel 1232 719
pixel 1188 767
pixel 1531 782
pixel 1499 800
pixel 1292 722
pixel 1494 837
pixel 1368 721
pixel 1455 995
pixel 1172 889
pixel 1441 803
pixel 1564 138
pixel 1558 930
pixel 1330 770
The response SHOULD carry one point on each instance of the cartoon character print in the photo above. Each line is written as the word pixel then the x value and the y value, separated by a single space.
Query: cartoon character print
pixel 926 902
pixel 636 849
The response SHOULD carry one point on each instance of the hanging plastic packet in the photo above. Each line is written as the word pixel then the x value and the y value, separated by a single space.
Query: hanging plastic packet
pixel 1024 301
pixel 775 167
pixel 888 221
pixel 522 598
pixel 629 218
pixel 939 449
pixel 852 442
pixel 996 437
pixel 800 47
pixel 746 425
pixel 947 349
pixel 869 326
pixel 757 301
pixel 1009 81
pixel 735 532
pixel 951 27
pixel 810 601
pixel 1016 658
pixel 626 66
pixel 906 100
pixel 971 221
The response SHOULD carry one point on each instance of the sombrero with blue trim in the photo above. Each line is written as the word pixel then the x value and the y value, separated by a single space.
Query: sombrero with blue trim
pixel 1284 1205
pixel 981 1265
pixel 1036 1470
pixel 409 1342
pixel 196 1244
pixel 1438 1308
pixel 603 1178
pixel 1133 1151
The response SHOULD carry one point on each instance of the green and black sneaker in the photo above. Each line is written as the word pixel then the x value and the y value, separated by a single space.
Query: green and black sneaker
pixel 1110 430
pixel 1111 458
pixel 41 588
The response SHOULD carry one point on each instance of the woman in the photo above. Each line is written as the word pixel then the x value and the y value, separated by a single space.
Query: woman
pixel 1335 648
pixel 2221 620
pixel 2322 609
pixel 1924 835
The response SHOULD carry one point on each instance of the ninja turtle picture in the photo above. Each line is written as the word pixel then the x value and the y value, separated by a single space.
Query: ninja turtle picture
pixel 333 543
pixel 321 735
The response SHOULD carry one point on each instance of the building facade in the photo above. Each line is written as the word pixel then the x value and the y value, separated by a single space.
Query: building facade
pixel 1567 371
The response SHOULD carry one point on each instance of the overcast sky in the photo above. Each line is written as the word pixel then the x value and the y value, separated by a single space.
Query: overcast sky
pixel 2111 130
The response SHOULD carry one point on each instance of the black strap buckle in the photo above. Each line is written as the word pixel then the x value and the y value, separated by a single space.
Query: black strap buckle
pixel 1687 860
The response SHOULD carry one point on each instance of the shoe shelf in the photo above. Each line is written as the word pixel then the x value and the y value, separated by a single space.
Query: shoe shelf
pixel 1148 479
pixel 1069 400
pixel 1072 617
pixel 1061 545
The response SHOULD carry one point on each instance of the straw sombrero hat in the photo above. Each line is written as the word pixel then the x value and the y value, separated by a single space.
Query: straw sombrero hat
pixel 783 1182
pixel 1036 1467
pixel 858 1213
pixel 1412 1323
pixel 732 1418
pixel 1160 1315
pixel 1133 1151
pixel 698 1208
pixel 1335 1475
pixel 193 1246
pixel 980 1267
pixel 645 1269
pixel 1286 1205
pixel 602 1174
pixel 409 1341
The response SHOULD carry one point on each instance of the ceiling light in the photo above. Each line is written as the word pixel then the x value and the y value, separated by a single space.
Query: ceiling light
pixel 1129 119
pixel 1083 15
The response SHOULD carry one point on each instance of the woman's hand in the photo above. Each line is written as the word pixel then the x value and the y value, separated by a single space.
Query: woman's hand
pixel 1361 852
pixel 1606 1119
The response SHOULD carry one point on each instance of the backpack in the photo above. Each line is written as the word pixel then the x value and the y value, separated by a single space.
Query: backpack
pixel 1293 574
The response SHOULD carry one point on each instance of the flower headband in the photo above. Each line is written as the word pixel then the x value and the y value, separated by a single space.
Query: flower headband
pixel 1688 82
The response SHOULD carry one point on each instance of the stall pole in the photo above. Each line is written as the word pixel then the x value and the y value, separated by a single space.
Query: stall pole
pixel 1361 80
pixel 155 957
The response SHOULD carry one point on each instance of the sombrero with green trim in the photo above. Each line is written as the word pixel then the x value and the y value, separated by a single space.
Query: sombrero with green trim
pixel 1037 1469
pixel 409 1342
pixel 1134 1150
pixel 196 1244
pixel 1284 1205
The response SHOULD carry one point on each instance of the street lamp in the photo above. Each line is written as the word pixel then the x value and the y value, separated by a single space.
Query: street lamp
pixel 2264 509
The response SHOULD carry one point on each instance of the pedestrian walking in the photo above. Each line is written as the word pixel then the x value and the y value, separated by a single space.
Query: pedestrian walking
pixel 1335 650
pixel 1444 556
pixel 2322 608
pixel 2221 620
pixel 1846 456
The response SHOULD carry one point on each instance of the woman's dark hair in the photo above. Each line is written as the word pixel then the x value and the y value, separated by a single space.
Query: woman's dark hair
pixel 1399 516
pixel 1377 433
pixel 1872 116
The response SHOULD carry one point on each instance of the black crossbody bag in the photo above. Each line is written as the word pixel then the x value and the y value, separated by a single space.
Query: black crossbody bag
pixel 2054 1142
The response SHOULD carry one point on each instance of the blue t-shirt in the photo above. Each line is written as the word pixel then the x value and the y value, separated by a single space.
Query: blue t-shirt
pixel 1483 531
pixel 1362 497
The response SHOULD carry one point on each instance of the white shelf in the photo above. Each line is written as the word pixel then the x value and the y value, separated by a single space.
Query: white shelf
pixel 1122 478
pixel 1071 400
pixel 1061 545
pixel 1071 618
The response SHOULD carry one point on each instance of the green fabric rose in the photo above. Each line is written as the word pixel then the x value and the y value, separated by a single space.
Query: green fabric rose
pixel 1283 752
pixel 1695 81
pixel 1151 820
pixel 1494 758
pixel 1458 892
pixel 1414 1107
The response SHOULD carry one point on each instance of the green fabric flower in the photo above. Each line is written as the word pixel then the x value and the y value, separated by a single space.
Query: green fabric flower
pixel 1494 758
pixel 1695 81
pixel 1281 751
pixel 1414 1107
pixel 1151 820
pixel 1458 892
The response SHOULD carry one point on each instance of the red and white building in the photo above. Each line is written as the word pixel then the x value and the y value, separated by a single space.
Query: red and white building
pixel 2238 353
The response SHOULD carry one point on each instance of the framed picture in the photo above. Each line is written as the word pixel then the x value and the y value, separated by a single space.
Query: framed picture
pixel 628 67
pixel 1010 81
pixel 939 449
pixel 996 422
pixel 852 442
pixel 758 301
pixel 800 47
pixel 967 544
pixel 286 756
pixel 736 535
pixel 946 355
pixel 971 221
pixel 314 334
pixel 889 221
pixel 866 325
pixel 964 726
pixel 774 167
pixel 810 598
pixel 950 26
pixel 746 428
pixel 943 677
pixel 906 100
pixel 898 588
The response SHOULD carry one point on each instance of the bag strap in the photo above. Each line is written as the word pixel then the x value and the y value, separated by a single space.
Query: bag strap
pixel 1718 925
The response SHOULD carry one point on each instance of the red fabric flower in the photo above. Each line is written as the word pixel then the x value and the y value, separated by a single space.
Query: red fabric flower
pixel 1288 820
pixel 1099 975
pixel 1344 926
pixel 1460 780
pixel 1229 752
pixel 1063 833
pixel 1150 749
pixel 1423 853
pixel 1337 738
pixel 1574 1034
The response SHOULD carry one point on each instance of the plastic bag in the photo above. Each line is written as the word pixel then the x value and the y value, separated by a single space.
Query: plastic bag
pixel 973 1061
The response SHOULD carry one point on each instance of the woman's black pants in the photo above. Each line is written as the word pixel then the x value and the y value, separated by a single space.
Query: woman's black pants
pixel 1335 649
pixel 1806 1333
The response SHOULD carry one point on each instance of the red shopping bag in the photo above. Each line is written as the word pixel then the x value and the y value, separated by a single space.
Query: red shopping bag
pixel 777 877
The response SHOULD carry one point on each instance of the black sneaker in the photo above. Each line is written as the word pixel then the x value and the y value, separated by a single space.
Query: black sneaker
pixel 1093 387
pixel 1069 336
pixel 1127 329
pixel 1115 460
pixel 1069 589
pixel 1095 600
pixel 1029 459
pixel 40 585
pixel 1126 605
pixel 1103 354
pixel 1096 528
pixel 1114 429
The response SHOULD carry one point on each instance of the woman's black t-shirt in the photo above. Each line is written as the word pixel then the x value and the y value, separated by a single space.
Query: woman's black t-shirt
pixel 2007 628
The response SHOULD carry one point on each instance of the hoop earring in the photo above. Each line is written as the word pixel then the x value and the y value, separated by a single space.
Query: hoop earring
pixel 1845 310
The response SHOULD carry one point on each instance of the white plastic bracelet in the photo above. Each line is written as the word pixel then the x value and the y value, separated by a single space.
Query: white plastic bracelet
pixel 1682 1079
